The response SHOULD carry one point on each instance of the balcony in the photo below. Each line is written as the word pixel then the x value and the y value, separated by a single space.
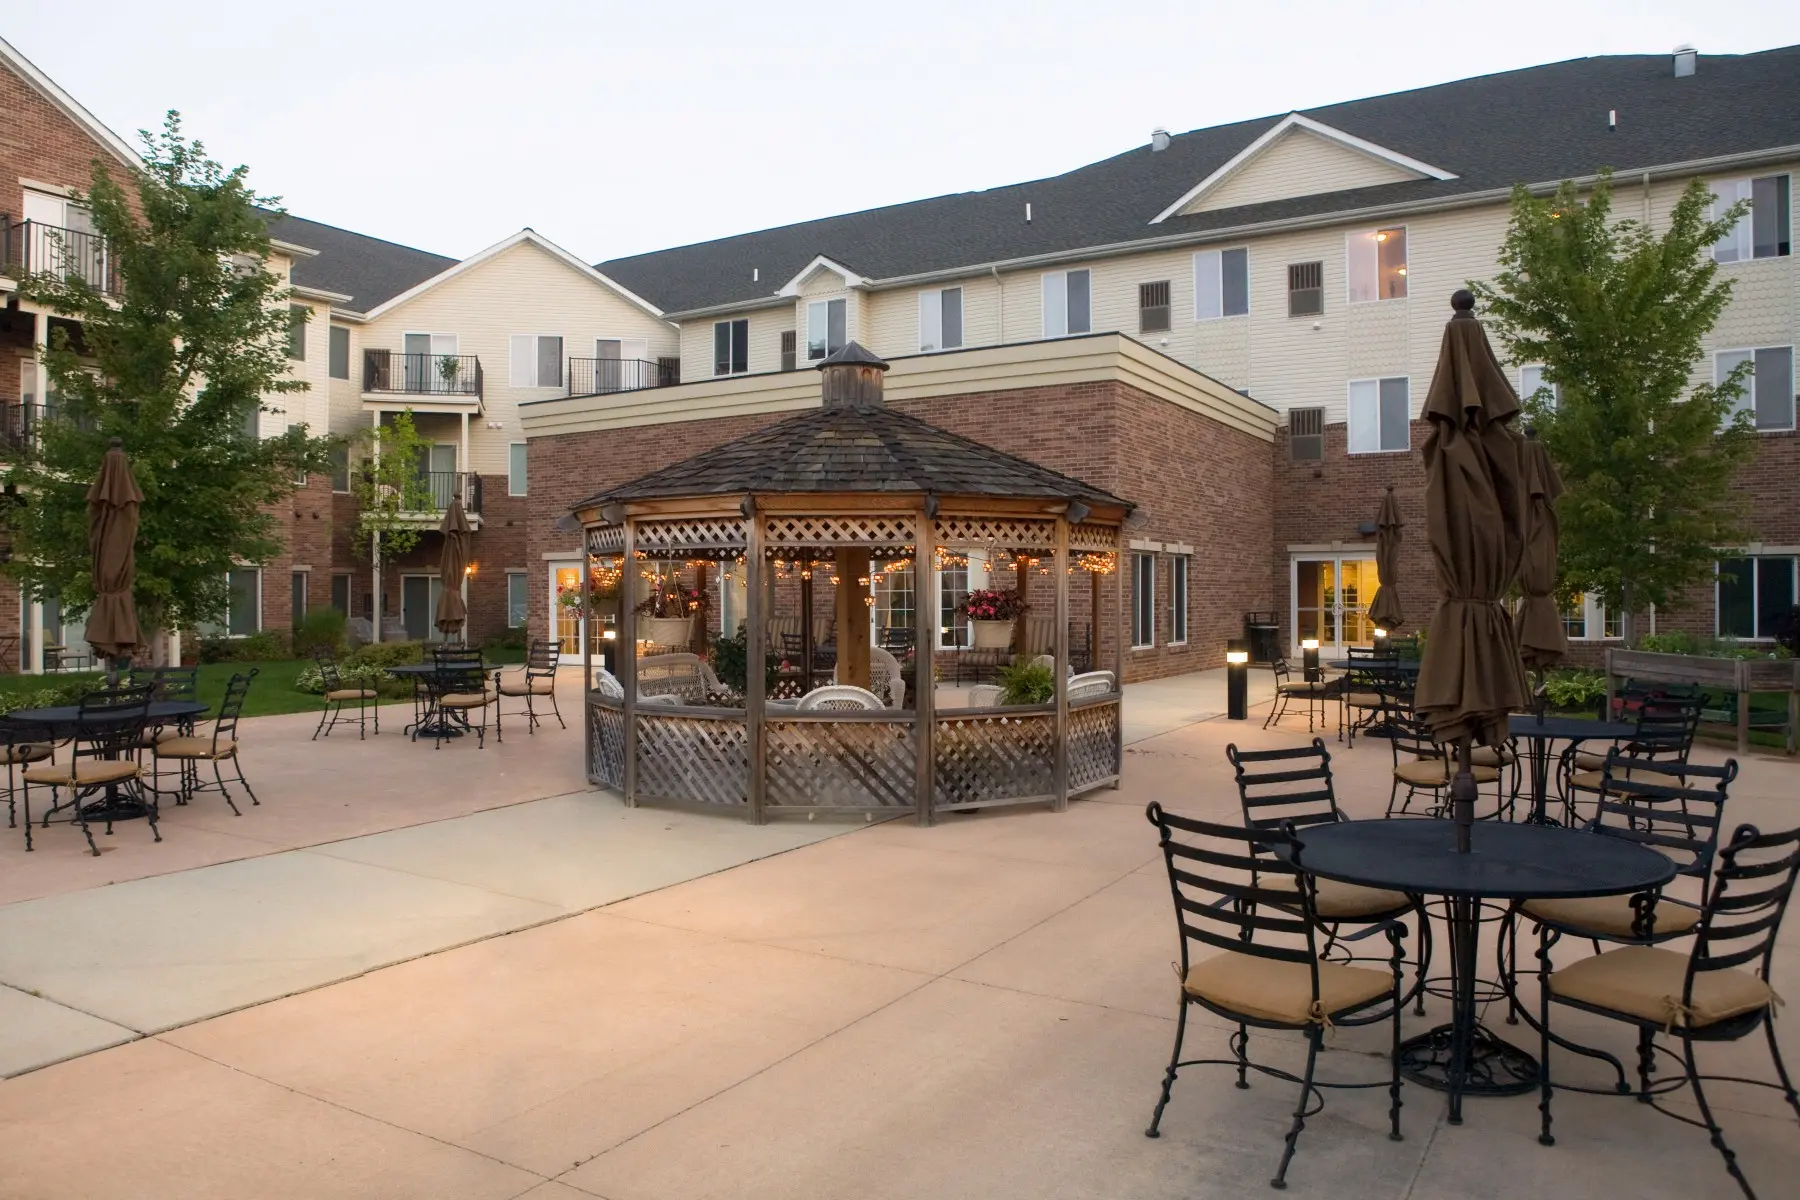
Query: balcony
pixel 600 376
pixel 439 376
pixel 19 428
pixel 427 500
pixel 32 247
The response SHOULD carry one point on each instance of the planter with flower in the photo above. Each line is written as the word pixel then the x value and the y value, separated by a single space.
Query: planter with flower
pixel 991 613
pixel 667 613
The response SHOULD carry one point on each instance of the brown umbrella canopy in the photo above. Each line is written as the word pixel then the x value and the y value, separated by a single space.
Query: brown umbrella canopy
pixel 1385 610
pixel 1475 505
pixel 1542 639
pixel 454 562
pixel 112 502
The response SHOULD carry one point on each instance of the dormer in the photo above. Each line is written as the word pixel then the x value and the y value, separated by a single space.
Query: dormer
pixel 822 275
pixel 1299 156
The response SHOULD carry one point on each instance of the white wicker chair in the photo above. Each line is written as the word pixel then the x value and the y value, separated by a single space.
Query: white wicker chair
pixel 1092 683
pixel 884 677
pixel 684 676
pixel 608 685
pixel 840 696
pixel 986 695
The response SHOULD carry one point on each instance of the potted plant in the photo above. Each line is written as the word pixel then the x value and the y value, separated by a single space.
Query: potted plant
pixel 449 367
pixel 668 613
pixel 991 613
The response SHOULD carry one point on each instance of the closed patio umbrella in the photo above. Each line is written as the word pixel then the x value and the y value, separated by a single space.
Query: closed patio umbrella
pixel 1385 610
pixel 1542 639
pixel 452 565
pixel 1475 504
pixel 112 501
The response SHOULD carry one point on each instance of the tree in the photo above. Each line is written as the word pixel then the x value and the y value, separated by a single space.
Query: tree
pixel 389 484
pixel 176 366
pixel 1617 316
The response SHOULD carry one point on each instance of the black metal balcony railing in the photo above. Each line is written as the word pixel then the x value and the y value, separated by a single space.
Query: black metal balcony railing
pixel 29 247
pixel 596 376
pixel 421 374
pixel 433 491
pixel 19 426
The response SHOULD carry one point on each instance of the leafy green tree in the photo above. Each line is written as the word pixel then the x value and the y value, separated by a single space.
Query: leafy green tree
pixel 177 366
pixel 1617 315
pixel 389 484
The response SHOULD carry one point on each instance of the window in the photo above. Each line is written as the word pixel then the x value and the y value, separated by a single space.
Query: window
pixel 1380 411
pixel 1377 261
pixel 940 319
pixel 789 355
pixel 535 360
pixel 1143 601
pixel 1585 618
pixel 340 593
pixel 297 596
pixel 1532 381
pixel 826 331
pixel 1153 307
pixel 1221 284
pixel 1763 231
pixel 1306 434
pixel 1178 600
pixel 243 604
pixel 298 315
pixel 515 469
pixel 894 598
pixel 339 364
pixel 1068 306
pixel 1754 594
pixel 518 602
pixel 731 347
pixel 953 583
pixel 1306 289
pixel 1769 392
pixel 340 468
pixel 252 428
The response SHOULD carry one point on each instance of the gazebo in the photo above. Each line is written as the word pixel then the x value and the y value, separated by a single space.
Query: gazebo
pixel 846 491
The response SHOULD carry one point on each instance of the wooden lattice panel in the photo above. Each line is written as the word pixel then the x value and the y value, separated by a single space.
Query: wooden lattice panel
pixel 1095 539
pixel 606 751
pixel 994 760
pixel 867 529
pixel 699 760
pixel 839 764
pixel 691 535
pixel 1093 744
pixel 606 539
pixel 1008 533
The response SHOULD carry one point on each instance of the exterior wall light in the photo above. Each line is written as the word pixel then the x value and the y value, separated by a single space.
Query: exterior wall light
pixel 1237 680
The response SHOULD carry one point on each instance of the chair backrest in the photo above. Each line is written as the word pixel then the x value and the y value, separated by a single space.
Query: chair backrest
pixel 329 677
pixel 459 669
pixel 1667 805
pixel 1279 665
pixel 885 679
pixel 1216 876
pixel 1291 786
pixel 168 683
pixel 1372 672
pixel 682 675
pixel 1090 683
pixel 896 639
pixel 1742 916
pixel 112 722
pixel 793 645
pixel 840 696
pixel 1665 728
pixel 231 707
pixel 542 657
pixel 1410 736
pixel 1038 636
pixel 608 685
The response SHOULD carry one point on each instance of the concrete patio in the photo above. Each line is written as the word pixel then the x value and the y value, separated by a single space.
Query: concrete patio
pixel 687 1006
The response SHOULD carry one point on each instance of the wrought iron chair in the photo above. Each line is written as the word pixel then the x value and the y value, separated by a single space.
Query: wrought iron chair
pixel 338 697
pixel 840 696
pixel 1293 788
pixel 460 692
pixel 21 750
pixel 109 731
pixel 1259 977
pixel 1424 765
pixel 1705 995
pixel 1287 688
pixel 1665 733
pixel 218 747
pixel 169 683
pixel 538 679
pixel 1371 684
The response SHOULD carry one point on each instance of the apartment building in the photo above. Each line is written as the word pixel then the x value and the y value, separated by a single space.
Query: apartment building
pixel 1304 260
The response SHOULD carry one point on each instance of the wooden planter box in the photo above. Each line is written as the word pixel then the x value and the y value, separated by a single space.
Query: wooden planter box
pixel 1742 676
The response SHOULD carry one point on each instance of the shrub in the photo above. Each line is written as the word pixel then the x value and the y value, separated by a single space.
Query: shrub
pixel 730 657
pixel 1676 642
pixel 386 654
pixel 1787 630
pixel 320 629
pixel 50 696
pixel 1575 690
pixel 359 675
pixel 265 645
pixel 1029 682
pixel 512 639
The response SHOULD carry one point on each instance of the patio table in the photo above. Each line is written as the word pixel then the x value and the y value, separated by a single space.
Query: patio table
pixel 1506 861
pixel 1539 731
pixel 430 724
pixel 67 721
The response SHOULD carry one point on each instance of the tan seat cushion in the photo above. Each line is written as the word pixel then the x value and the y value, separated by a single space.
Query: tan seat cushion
pixel 1489 756
pixel 517 687
pixel 1610 915
pixel 1272 990
pixel 1438 772
pixel 85 771
pixel 466 699
pixel 1335 901
pixel 1591 781
pixel 1300 687
pixel 194 747
pixel 25 752
pixel 1363 699
pixel 351 694
pixel 1646 981
pixel 1587 760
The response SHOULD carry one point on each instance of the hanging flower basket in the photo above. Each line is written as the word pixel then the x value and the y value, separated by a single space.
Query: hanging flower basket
pixel 665 631
pixel 992 635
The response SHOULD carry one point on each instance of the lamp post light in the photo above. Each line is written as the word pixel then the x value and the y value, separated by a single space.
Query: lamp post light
pixel 1309 660
pixel 1237 680
pixel 1381 643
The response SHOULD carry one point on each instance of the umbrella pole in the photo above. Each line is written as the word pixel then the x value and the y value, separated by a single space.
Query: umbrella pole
pixel 1462 794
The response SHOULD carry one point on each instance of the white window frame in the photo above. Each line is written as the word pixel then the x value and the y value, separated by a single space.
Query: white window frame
pixel 1743 234
pixel 931 320
pixel 331 338
pixel 1757 560
pixel 1350 422
pixel 729 323
pixel 1350 263
pixel 1143 605
pixel 1527 389
pixel 1747 402
pixel 1056 315
pixel 521 378
pixel 819 312
pixel 516 481
pixel 1593 617
pixel 1209 284
pixel 524 610
pixel 225 625
pixel 1179 600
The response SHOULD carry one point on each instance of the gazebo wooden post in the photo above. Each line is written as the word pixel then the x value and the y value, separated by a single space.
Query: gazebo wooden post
pixel 587 651
pixel 806 623
pixel 1060 726
pixel 1093 659
pixel 1022 585
pixel 697 641
pixel 756 637
pixel 925 618
pixel 628 661
pixel 1120 632
pixel 852 616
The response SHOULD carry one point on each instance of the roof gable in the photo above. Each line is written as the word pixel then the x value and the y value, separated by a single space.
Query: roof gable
pixel 501 247
pixel 820 264
pixel 87 121
pixel 1299 156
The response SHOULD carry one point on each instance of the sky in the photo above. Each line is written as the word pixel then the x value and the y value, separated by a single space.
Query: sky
pixel 613 129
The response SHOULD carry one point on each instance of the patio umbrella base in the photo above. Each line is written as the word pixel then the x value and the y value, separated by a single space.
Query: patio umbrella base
pixel 1496 1067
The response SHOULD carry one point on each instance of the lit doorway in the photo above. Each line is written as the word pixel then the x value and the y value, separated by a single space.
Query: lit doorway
pixel 1331 595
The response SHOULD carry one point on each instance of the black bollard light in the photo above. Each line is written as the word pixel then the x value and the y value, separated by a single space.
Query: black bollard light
pixel 1381 643
pixel 1237 680
pixel 1309 660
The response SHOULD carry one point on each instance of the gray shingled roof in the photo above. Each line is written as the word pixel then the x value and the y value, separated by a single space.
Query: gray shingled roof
pixel 1536 125
pixel 367 269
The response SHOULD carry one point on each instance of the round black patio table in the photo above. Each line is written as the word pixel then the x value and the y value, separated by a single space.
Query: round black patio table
pixel 1400 666
pixel 1540 731
pixel 67 721
pixel 438 725
pixel 1506 861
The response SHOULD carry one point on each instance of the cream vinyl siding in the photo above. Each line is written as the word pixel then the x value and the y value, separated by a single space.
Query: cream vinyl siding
pixel 766 326
pixel 1298 163
pixel 520 290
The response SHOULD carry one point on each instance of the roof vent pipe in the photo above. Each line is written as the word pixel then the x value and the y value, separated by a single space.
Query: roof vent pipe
pixel 1686 59
pixel 1159 139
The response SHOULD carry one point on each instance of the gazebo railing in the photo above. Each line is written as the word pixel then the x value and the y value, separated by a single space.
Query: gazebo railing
pixel 840 762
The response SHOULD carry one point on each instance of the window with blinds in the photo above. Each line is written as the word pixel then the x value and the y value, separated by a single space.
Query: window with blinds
pixel 1153 307
pixel 1306 434
pixel 1306 289
pixel 789 349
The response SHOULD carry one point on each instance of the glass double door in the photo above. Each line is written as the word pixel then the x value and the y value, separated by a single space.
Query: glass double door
pixel 1331 600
